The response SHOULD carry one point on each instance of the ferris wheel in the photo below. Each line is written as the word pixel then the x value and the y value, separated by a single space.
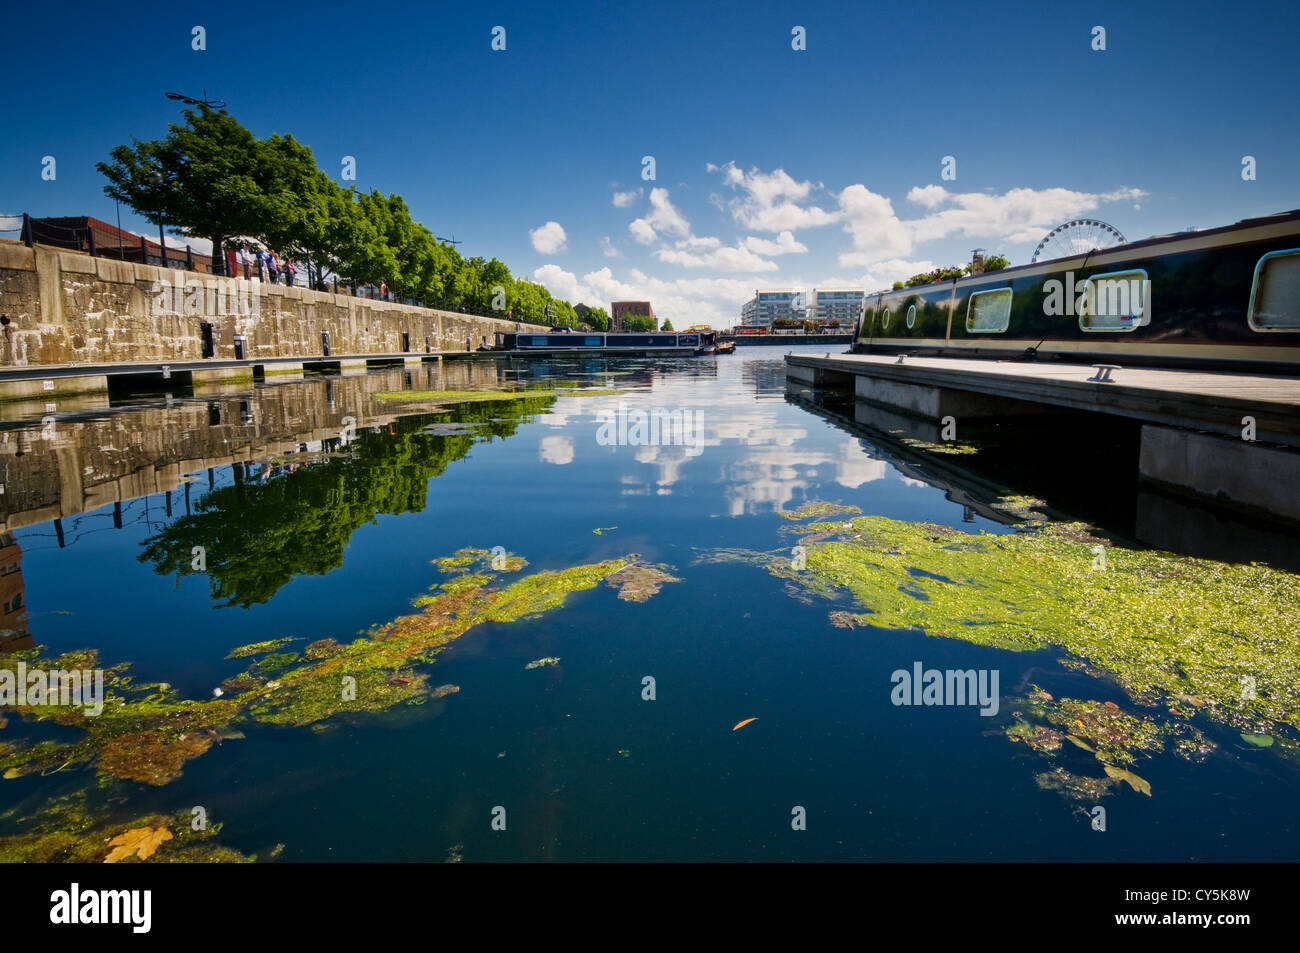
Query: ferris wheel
pixel 1077 238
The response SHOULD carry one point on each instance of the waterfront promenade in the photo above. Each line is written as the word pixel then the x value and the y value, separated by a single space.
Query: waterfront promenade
pixel 92 317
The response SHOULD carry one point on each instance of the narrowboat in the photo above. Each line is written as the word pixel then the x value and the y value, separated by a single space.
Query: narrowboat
pixel 608 342
pixel 1220 298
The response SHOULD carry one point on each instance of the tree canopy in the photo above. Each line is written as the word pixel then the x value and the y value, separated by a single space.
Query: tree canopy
pixel 212 178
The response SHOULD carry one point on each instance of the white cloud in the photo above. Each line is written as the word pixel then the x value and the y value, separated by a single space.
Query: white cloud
pixel 642 231
pixel 548 239
pixel 771 200
pixel 931 196
pixel 686 301
pixel 699 241
pixel 1017 216
pixel 557 450
pixel 723 259
pixel 877 232
pixel 624 199
pixel 883 274
pixel 663 218
pixel 607 247
pixel 785 244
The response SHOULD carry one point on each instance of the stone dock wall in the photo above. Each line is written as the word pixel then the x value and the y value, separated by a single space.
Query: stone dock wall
pixel 65 307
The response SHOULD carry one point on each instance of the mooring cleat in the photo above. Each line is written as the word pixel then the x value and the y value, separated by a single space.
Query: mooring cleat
pixel 1103 373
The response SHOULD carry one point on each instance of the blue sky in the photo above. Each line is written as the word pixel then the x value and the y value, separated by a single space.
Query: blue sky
pixel 772 166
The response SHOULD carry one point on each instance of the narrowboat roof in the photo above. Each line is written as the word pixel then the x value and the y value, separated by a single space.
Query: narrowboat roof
pixel 1278 218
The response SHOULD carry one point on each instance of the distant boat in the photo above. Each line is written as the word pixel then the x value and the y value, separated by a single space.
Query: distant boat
pixel 725 347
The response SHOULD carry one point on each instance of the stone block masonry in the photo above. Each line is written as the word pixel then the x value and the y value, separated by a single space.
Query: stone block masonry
pixel 69 308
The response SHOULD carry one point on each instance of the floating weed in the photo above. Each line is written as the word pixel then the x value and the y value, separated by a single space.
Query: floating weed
pixel 950 449
pixel 463 584
pixel 460 561
pixel 274 662
pixel 458 396
pixel 258 648
pixel 147 734
pixel 1075 787
pixel 639 581
pixel 1037 737
pixel 819 508
pixel 1164 627
pixel 71 829
pixel 592 392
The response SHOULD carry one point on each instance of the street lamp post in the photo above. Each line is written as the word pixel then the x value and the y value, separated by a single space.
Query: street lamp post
pixel 218 261
pixel 156 180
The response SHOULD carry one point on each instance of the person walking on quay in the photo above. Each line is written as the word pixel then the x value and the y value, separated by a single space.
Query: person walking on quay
pixel 383 290
pixel 272 268
pixel 289 272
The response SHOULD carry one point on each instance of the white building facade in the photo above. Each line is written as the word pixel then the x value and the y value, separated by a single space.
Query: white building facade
pixel 823 305
pixel 771 304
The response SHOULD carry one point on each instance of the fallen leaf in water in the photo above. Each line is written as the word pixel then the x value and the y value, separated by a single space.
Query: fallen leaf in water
pixel 1080 743
pixel 442 691
pixel 1138 784
pixel 542 661
pixel 1259 741
pixel 744 723
pixel 141 842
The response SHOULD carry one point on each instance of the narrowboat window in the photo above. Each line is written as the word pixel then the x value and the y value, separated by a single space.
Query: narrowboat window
pixel 911 316
pixel 592 342
pixel 1275 292
pixel 1115 301
pixel 989 311
pixel 885 318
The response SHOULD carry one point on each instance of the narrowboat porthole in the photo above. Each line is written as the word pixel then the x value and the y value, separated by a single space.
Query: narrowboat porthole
pixel 911 317
pixel 989 312
pixel 1116 301
pixel 1275 292
pixel 885 318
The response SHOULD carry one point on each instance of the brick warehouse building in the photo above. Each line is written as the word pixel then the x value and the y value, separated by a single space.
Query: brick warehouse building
pixel 86 234
pixel 617 309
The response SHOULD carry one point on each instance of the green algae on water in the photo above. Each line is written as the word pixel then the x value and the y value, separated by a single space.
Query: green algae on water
pixel 1164 627
pixel 147 734
pixel 459 396
pixel 258 648
pixel 638 581
pixel 819 508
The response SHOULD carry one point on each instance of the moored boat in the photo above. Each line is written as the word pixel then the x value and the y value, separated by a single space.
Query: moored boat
pixel 1221 297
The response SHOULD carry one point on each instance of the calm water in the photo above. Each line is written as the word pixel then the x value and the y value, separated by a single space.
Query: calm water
pixel 312 537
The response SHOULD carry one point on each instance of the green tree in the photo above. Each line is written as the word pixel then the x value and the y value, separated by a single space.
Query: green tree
pixel 598 318
pixel 207 179
pixel 638 322
pixel 259 535
pixel 667 325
